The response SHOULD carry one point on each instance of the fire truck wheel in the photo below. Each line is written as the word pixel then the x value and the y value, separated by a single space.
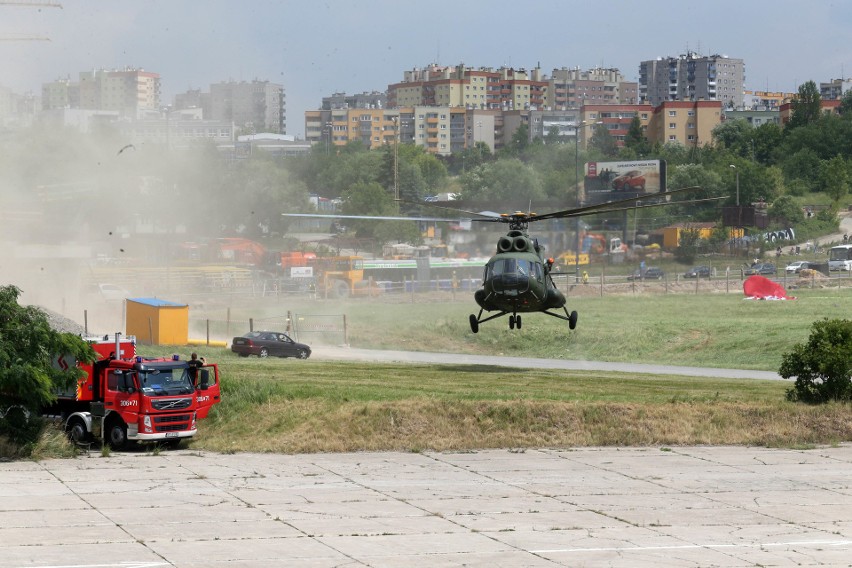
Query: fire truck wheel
pixel 77 432
pixel 117 435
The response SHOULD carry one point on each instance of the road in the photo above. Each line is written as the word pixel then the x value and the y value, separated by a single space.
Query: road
pixel 350 354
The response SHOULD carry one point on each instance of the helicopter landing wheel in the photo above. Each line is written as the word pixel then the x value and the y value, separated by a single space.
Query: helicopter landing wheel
pixel 511 322
pixel 572 320
pixel 518 322
pixel 474 324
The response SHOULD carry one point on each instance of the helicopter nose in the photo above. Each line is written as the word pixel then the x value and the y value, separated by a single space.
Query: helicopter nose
pixel 510 284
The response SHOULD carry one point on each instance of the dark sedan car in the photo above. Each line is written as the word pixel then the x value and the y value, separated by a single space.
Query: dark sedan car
pixel 269 343
pixel 760 268
pixel 651 273
pixel 697 272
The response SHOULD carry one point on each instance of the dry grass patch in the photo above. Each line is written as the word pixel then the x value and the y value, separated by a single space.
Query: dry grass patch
pixel 442 425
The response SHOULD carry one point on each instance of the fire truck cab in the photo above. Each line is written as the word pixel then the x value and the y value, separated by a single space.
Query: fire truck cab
pixel 126 398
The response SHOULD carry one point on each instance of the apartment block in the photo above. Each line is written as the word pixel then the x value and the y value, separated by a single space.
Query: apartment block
pixel 572 88
pixel 133 93
pixel 441 130
pixel 759 100
pixel 191 100
pixel 372 99
pixel 690 123
pixel 615 118
pixel 834 89
pixel 692 77
pixel 459 86
pixel 60 94
pixel 256 106
pixel 755 117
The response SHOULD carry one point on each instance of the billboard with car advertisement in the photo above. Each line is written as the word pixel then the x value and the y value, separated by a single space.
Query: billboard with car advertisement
pixel 610 181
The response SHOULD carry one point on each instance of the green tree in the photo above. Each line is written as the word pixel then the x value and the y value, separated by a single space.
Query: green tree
pixel 432 171
pixel 756 183
pixel 765 140
pixel 687 248
pixel 399 232
pixel 806 107
pixel 786 211
pixel 369 199
pixel 552 135
pixel 804 165
pixel 267 191
pixel 603 141
pixel 506 179
pixel 28 378
pixel 519 143
pixel 635 140
pixel 822 366
pixel 845 108
pixel 834 177
pixel 732 134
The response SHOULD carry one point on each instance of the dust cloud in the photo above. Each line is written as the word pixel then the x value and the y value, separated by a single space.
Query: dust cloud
pixel 88 218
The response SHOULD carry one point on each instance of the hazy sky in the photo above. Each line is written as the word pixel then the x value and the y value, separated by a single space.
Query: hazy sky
pixel 314 47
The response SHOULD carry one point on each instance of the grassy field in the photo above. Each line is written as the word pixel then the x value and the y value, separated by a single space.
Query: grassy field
pixel 294 406
pixel 288 406
pixel 712 329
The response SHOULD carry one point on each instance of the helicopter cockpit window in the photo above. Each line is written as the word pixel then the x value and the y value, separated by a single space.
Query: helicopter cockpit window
pixel 513 266
pixel 536 270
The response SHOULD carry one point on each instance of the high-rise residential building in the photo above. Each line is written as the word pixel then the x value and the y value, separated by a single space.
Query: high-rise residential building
pixel 258 106
pixel 615 119
pixel 373 99
pixel 571 88
pixel 133 93
pixel 760 100
pixel 459 86
pixel 440 130
pixel 191 100
pixel 689 123
pixel 834 89
pixel 692 77
pixel 62 93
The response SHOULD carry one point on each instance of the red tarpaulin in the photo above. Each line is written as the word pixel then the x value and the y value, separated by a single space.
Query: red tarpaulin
pixel 761 288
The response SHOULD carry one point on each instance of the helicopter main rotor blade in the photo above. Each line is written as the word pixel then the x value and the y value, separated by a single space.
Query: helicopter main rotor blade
pixel 634 207
pixel 479 215
pixel 374 217
pixel 590 209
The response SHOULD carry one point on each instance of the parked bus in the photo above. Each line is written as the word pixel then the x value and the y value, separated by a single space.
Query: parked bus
pixel 840 258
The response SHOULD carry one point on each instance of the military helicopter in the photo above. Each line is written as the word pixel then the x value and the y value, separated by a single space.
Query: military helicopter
pixel 518 278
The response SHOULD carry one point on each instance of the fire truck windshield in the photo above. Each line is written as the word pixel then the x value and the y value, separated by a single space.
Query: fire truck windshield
pixel 159 382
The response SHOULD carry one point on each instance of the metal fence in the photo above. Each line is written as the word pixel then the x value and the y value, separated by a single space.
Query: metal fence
pixel 328 329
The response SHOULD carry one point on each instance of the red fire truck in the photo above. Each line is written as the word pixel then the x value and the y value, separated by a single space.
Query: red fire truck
pixel 126 398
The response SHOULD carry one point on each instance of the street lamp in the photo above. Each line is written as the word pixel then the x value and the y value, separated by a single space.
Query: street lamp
pixel 580 124
pixel 396 159
pixel 327 136
pixel 738 183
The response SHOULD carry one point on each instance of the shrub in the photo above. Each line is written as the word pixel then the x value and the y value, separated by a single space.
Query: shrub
pixel 822 366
